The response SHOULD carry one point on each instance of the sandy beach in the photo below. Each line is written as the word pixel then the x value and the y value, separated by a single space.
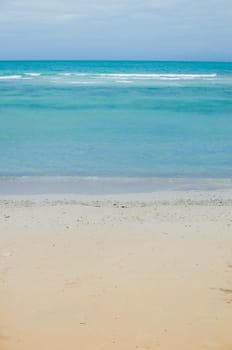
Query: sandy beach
pixel 118 272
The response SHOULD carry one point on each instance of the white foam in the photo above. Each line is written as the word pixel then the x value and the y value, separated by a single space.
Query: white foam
pixel 10 77
pixel 124 78
pixel 124 81
pixel 66 74
pixel 33 74
pixel 158 76
pixel 76 74
pixel 121 77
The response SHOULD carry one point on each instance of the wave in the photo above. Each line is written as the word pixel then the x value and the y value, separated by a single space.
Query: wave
pixel 115 75
pixel 23 76
pixel 141 75
pixel 108 78
pixel 33 74
pixel 157 76
pixel 10 77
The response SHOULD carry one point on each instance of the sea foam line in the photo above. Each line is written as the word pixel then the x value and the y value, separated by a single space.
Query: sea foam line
pixel 117 77
pixel 10 77
pixel 33 74
pixel 140 75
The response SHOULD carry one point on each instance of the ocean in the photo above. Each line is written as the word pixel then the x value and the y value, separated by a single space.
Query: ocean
pixel 125 121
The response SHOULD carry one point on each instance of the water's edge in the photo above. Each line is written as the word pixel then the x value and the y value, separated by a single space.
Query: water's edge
pixel 27 185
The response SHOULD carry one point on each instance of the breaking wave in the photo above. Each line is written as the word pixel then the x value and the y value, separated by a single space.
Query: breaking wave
pixel 108 78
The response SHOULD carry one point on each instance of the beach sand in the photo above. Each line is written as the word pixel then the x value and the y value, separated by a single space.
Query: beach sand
pixel 122 272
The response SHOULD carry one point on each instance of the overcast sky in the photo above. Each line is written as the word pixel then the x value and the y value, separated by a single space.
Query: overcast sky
pixel 116 29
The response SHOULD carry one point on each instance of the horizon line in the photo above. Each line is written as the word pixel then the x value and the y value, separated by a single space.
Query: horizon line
pixel 114 60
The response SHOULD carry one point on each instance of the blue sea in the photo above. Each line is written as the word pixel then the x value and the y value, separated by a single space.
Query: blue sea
pixel 121 120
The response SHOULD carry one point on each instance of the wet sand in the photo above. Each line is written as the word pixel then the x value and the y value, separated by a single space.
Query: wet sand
pixel 122 272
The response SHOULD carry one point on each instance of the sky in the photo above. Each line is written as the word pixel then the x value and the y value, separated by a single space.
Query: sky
pixel 116 29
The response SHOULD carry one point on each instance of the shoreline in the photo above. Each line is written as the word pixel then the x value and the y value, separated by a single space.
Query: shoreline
pixel 110 186
pixel 164 197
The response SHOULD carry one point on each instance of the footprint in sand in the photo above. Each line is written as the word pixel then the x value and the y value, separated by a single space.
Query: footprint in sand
pixel 3 339
pixel 226 290
pixel 228 293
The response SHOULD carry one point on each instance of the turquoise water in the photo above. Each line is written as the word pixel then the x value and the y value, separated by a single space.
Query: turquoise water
pixel 116 119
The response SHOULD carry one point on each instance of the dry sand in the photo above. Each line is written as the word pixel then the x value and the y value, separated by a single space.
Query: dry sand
pixel 116 273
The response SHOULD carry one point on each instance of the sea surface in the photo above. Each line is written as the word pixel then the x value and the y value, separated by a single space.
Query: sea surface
pixel 121 120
